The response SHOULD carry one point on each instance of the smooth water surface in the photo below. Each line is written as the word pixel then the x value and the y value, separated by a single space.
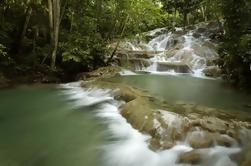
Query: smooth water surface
pixel 40 127
pixel 173 88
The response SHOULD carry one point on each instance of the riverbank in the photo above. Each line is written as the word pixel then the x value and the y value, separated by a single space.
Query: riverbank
pixel 202 132
pixel 11 77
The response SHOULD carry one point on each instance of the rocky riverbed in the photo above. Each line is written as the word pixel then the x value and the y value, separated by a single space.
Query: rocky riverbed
pixel 201 127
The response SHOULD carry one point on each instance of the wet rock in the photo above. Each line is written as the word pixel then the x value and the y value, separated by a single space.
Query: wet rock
pixel 172 66
pixel 244 136
pixel 196 35
pixel 201 30
pixel 192 157
pixel 171 52
pixel 139 113
pixel 210 45
pixel 213 25
pixel 129 54
pixel 167 123
pixel 143 72
pixel 200 139
pixel 205 52
pixel 179 32
pixel 214 124
pixel 167 144
pixel 212 71
pixel 104 72
pixel 225 140
pixel 247 160
pixel 138 63
pixel 191 27
pixel 154 144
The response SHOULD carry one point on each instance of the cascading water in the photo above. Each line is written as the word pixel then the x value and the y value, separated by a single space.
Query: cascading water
pixel 178 49
pixel 159 43
pixel 130 147
pixel 185 55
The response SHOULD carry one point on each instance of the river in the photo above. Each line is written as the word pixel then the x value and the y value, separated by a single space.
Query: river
pixel 63 125
pixel 41 125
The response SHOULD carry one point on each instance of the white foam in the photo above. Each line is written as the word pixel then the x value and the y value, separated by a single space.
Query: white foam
pixel 195 58
pixel 126 73
pixel 130 147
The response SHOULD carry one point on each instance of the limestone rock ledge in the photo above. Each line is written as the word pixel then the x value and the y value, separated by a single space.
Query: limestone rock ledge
pixel 167 123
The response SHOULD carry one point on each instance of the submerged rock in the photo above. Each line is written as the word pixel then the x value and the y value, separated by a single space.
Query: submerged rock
pixel 191 157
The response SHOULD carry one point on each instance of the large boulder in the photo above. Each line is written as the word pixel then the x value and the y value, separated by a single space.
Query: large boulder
pixel 174 66
pixel 200 139
pixel 212 71
pixel 191 157
pixel 104 72
pixel 167 124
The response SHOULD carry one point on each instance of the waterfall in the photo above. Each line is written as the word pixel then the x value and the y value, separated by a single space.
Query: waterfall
pixel 188 50
pixel 159 43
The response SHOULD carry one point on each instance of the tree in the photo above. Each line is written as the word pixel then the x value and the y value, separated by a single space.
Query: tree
pixel 182 6
pixel 235 49
pixel 54 23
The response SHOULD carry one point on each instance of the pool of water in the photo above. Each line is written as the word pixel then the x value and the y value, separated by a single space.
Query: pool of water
pixel 40 126
pixel 212 93
pixel 67 125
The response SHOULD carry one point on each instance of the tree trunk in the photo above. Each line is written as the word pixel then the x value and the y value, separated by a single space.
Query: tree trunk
pixel 203 11
pixel 72 19
pixel 51 28
pixel 184 19
pixel 63 11
pixel 174 18
pixel 26 23
pixel 56 23
pixel 50 7
pixel 98 14
pixel 28 13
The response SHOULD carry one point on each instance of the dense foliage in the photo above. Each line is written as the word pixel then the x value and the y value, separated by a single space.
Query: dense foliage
pixel 75 31
pixel 73 34
pixel 235 50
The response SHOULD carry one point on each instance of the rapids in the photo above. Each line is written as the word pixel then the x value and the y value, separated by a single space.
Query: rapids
pixel 129 147
pixel 70 125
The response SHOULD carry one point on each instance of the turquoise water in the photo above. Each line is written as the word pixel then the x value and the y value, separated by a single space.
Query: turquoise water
pixel 212 93
pixel 39 127
pixel 44 126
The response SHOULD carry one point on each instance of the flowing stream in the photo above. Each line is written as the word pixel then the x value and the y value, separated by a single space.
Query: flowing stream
pixel 180 51
pixel 70 125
